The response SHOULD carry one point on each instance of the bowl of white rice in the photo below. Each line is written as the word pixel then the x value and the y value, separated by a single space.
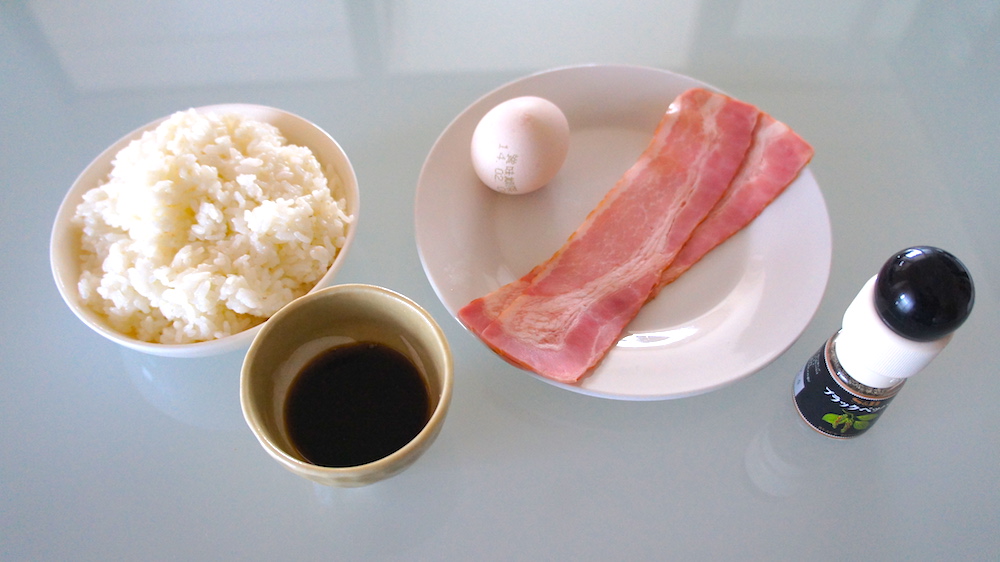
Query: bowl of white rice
pixel 186 235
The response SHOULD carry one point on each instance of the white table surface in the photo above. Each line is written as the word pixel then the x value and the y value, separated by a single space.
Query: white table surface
pixel 110 455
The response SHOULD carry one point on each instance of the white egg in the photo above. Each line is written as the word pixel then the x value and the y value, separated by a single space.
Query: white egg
pixel 520 145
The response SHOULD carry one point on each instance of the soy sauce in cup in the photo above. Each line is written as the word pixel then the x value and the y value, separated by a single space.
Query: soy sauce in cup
pixel 354 404
pixel 328 327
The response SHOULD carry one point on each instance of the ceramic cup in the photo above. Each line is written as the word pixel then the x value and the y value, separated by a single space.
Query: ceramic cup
pixel 316 322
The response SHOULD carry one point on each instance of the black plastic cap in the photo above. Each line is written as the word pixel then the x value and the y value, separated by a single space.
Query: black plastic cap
pixel 924 293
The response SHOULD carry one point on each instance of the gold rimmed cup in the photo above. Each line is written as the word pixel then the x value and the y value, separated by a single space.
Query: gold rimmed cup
pixel 315 323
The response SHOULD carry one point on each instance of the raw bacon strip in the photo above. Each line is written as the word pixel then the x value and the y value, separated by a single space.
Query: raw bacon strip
pixel 776 156
pixel 569 311
pixel 478 314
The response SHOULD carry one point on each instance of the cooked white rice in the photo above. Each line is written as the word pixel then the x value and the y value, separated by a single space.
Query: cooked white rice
pixel 206 226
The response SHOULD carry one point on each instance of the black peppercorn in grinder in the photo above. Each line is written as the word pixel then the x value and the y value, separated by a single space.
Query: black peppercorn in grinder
pixel 902 318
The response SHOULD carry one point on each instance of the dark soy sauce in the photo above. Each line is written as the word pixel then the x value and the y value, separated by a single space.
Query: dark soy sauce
pixel 354 404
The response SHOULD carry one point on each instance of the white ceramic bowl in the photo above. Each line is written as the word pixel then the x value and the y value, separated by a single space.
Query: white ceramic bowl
pixel 316 322
pixel 64 247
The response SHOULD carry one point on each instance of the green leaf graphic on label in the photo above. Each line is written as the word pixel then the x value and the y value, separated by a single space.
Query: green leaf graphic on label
pixel 846 421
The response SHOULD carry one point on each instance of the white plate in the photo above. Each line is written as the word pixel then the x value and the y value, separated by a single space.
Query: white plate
pixel 734 312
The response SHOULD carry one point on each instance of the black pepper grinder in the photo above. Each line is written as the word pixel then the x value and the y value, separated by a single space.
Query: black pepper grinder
pixel 902 318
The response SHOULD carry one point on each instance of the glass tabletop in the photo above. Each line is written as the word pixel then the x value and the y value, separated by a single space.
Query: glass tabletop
pixel 113 454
